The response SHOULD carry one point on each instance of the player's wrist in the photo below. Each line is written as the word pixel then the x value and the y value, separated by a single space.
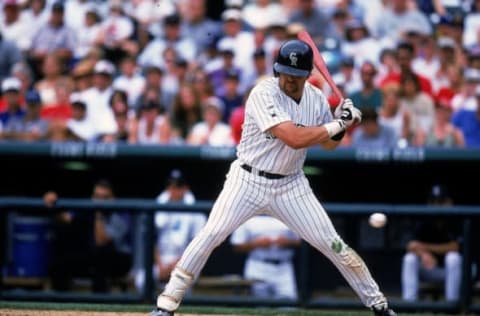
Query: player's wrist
pixel 335 127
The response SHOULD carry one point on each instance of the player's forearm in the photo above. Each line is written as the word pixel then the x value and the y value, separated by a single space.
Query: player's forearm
pixel 442 248
pixel 301 137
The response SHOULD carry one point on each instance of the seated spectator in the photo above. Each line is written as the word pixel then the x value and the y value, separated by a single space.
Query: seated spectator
pixel 130 80
pixel 11 55
pixel 393 114
pixel 231 97
pixel 468 121
pixel 368 95
pixel 443 133
pixel 433 255
pixel 11 93
pixel 174 230
pixel 54 37
pixel 31 127
pixel 269 246
pixel 88 244
pixel 372 133
pixel 78 127
pixel 186 111
pixel 87 31
pixel 211 130
pixel 151 127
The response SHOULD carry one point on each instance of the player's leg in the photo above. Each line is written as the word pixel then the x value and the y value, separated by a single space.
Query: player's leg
pixel 410 276
pixel 299 209
pixel 453 275
pixel 238 201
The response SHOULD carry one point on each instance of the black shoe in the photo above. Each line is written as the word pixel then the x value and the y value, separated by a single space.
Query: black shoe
pixel 160 312
pixel 383 311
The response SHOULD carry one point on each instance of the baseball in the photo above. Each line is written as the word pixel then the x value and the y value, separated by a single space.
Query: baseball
pixel 377 220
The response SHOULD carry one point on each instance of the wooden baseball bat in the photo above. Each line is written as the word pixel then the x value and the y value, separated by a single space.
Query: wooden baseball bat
pixel 320 63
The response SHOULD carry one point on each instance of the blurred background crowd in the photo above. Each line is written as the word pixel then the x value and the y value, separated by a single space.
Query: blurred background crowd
pixel 179 71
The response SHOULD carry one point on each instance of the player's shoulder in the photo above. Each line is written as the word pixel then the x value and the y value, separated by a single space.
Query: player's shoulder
pixel 313 89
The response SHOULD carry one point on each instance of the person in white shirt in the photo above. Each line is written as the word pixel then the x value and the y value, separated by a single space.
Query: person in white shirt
pixel 270 245
pixel 211 131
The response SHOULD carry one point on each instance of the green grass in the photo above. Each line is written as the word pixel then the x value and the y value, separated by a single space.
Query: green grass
pixel 189 309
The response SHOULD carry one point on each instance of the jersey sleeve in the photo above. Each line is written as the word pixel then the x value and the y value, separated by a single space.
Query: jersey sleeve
pixel 264 107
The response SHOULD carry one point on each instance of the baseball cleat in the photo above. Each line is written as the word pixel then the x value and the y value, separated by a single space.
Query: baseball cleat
pixel 383 311
pixel 160 312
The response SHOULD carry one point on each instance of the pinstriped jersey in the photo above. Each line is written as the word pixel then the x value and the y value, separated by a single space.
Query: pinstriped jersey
pixel 268 106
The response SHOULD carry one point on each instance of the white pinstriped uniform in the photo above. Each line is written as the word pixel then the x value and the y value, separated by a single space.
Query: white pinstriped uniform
pixel 289 199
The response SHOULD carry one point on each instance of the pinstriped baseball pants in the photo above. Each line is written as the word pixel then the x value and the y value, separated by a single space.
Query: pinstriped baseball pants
pixel 292 201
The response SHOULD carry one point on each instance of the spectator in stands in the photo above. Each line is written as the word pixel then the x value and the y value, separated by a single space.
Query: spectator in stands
pixel 359 44
pixel 115 33
pixel 52 72
pixel 172 37
pixel 371 133
pixel 418 103
pixel 369 95
pixel 151 127
pixel 351 77
pixel 154 89
pixel 97 99
pixel 198 25
pixel 240 41
pixel 11 93
pixel 88 31
pixel 129 79
pixel 95 245
pixel 270 248
pixel 396 17
pixel 217 76
pixel 78 127
pixel 35 15
pixel 468 121
pixel 174 230
pixel 186 111
pixel 13 27
pixel 316 22
pixel 54 37
pixel 393 114
pixel 202 84
pixel 261 68
pixel 433 255
pixel 466 97
pixel 211 130
pixel 404 57
pixel 442 133
pixel 11 55
pixel 31 127
pixel 231 98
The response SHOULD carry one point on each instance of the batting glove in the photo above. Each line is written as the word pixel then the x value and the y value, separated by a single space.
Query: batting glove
pixel 351 115
pixel 344 104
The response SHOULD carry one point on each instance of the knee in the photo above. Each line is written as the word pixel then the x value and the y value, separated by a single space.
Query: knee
pixel 453 259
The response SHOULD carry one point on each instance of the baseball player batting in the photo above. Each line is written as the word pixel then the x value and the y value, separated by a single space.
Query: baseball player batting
pixel 284 116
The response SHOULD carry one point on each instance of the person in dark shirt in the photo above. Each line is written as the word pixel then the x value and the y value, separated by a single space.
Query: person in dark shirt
pixel 433 255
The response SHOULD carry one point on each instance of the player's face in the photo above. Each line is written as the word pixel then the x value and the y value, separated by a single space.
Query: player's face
pixel 292 85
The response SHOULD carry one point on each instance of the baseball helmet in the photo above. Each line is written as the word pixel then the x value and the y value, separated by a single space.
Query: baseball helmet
pixel 295 58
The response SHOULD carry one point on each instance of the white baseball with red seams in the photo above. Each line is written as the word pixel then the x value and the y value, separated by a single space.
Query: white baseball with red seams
pixel 377 220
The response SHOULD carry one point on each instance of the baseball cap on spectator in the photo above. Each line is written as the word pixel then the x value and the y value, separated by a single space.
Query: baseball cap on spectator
pixel 259 53
pixel 471 75
pixel 11 84
pixel 33 97
pixel 77 100
pixel 104 67
pixel 58 6
pixel 214 102
pixel 234 4
pixel 232 15
pixel 445 42
pixel 443 102
pixel 153 68
pixel 176 178
pixel 232 74
pixel 347 61
pixel 172 19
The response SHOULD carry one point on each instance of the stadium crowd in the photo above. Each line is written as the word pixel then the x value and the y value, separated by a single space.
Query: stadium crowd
pixel 171 72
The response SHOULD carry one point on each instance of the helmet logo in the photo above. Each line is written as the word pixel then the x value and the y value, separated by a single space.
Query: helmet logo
pixel 293 59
